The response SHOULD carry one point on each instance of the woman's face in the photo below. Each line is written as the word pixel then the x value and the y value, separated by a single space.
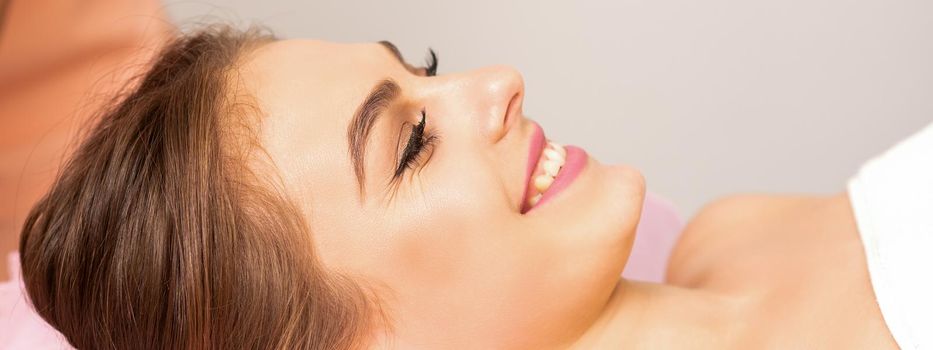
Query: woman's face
pixel 436 220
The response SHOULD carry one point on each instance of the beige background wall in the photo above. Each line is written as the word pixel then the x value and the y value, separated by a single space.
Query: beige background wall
pixel 706 97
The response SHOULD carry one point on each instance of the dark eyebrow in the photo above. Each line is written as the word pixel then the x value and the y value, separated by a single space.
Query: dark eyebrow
pixel 395 52
pixel 381 96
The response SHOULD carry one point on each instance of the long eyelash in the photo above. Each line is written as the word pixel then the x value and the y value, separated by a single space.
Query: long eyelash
pixel 420 140
pixel 430 63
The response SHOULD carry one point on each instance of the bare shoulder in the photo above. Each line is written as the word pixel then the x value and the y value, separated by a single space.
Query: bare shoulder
pixel 734 224
pixel 797 259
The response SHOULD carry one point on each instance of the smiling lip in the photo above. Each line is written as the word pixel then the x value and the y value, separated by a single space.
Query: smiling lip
pixel 575 162
pixel 534 153
pixel 573 166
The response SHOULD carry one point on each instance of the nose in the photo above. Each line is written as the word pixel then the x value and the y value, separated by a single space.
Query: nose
pixel 502 91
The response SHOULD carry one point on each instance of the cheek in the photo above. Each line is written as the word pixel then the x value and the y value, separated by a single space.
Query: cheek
pixel 444 238
pixel 464 181
pixel 448 225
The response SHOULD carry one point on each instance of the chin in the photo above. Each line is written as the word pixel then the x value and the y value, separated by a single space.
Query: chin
pixel 619 206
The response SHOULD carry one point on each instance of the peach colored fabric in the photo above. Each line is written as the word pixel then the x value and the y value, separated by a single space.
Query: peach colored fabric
pixel 60 60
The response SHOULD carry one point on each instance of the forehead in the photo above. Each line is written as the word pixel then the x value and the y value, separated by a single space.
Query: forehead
pixel 312 79
pixel 307 91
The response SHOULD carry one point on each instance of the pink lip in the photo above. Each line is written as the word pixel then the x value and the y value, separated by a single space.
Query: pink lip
pixel 534 153
pixel 575 162
pixel 573 166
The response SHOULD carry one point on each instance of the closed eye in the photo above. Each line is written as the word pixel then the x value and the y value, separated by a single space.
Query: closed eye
pixel 430 67
pixel 418 141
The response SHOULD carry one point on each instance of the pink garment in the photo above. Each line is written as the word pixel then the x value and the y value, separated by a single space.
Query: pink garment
pixel 658 231
pixel 22 328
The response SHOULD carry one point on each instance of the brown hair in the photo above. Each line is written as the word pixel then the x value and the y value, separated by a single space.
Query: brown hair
pixel 157 234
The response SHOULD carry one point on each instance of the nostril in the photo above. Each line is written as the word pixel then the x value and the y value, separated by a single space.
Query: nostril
pixel 513 110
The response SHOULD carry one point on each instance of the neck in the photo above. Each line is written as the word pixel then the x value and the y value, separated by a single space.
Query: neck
pixel 658 316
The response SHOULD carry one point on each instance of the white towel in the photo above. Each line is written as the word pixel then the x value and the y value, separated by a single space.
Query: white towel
pixel 892 197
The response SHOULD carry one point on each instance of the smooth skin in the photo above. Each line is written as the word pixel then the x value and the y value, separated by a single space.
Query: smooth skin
pixel 445 245
pixel 456 265
pixel 754 272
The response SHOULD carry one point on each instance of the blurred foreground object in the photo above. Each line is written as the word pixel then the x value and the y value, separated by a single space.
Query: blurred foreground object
pixel 60 62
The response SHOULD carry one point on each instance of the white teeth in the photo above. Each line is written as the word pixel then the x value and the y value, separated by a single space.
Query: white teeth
pixel 542 182
pixel 554 158
pixel 534 200
pixel 559 149
pixel 553 155
pixel 551 167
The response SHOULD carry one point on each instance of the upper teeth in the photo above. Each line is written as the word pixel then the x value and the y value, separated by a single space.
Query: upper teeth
pixel 553 160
